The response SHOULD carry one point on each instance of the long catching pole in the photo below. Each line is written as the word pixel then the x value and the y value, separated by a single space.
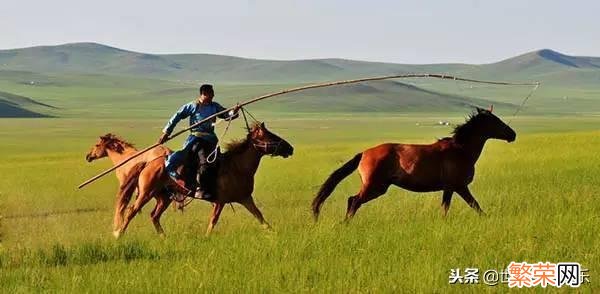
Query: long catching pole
pixel 297 89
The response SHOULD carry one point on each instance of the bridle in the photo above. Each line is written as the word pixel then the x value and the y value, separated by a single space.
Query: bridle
pixel 261 146
pixel 267 147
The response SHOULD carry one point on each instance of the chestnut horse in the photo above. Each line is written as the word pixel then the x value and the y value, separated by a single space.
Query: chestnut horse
pixel 447 165
pixel 235 182
pixel 118 150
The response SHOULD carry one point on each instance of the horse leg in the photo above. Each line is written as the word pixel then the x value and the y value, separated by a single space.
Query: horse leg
pixel 468 197
pixel 162 202
pixel 352 206
pixel 214 217
pixel 375 177
pixel 251 206
pixel 446 198
pixel 367 193
pixel 120 205
pixel 123 198
pixel 143 198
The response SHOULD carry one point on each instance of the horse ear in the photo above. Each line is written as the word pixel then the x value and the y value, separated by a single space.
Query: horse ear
pixel 262 125
pixel 479 110
pixel 491 108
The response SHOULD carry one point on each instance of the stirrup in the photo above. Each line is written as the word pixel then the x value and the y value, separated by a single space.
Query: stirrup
pixel 177 197
pixel 179 187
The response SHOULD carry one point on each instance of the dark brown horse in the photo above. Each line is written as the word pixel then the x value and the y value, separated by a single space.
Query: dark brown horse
pixel 117 150
pixel 235 177
pixel 447 165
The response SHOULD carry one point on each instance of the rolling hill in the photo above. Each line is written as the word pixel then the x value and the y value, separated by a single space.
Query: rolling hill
pixel 75 76
pixel 95 95
pixel 12 106
pixel 97 58
pixel 543 65
pixel 381 96
pixel 101 59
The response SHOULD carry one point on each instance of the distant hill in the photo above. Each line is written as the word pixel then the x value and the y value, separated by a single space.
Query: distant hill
pixel 98 58
pixel 106 76
pixel 543 65
pixel 93 58
pixel 381 96
pixel 547 58
pixel 19 106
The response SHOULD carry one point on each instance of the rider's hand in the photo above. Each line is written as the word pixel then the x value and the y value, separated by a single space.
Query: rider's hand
pixel 234 113
pixel 163 138
pixel 236 109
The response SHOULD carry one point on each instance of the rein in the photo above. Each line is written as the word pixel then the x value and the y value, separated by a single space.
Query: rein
pixel 265 145
pixel 215 152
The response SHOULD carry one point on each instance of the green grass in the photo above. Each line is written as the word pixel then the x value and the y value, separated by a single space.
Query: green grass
pixel 540 194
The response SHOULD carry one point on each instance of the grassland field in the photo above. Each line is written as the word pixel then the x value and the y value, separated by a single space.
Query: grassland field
pixel 540 194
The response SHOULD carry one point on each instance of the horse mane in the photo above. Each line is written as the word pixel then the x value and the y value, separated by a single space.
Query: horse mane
pixel 255 125
pixel 116 143
pixel 240 145
pixel 236 147
pixel 463 131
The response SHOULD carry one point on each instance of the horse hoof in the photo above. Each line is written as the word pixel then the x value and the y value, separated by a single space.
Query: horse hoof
pixel 117 234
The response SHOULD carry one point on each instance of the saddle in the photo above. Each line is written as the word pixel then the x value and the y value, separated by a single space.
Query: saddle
pixel 189 177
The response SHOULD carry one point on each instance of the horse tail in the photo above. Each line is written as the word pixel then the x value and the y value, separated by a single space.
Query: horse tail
pixel 334 179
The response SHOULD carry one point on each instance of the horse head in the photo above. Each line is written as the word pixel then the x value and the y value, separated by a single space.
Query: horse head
pixel 104 143
pixel 485 125
pixel 269 143
pixel 493 126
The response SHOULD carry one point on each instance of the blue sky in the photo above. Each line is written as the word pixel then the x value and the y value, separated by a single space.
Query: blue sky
pixel 422 31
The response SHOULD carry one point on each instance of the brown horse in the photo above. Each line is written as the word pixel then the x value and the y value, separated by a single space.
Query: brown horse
pixel 235 181
pixel 118 150
pixel 447 165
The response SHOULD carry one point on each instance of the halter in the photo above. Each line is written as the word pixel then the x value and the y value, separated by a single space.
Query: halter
pixel 267 147
pixel 261 146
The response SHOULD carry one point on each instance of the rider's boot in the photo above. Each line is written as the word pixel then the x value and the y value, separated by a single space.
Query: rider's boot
pixel 205 183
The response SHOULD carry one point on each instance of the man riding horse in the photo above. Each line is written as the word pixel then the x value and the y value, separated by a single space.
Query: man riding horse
pixel 200 144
